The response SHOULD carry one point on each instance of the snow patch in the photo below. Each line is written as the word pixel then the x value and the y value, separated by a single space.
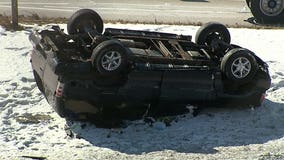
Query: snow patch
pixel 2 30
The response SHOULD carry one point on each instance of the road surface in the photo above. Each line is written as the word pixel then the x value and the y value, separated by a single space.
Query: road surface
pixel 230 12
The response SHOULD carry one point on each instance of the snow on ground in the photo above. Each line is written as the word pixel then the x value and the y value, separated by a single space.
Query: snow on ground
pixel 30 128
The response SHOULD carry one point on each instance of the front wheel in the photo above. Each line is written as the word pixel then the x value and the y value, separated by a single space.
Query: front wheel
pixel 210 32
pixel 267 11
pixel 83 21
pixel 109 58
pixel 239 65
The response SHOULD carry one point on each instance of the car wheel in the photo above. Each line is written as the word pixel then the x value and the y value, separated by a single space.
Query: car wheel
pixel 212 31
pixel 239 65
pixel 268 11
pixel 85 20
pixel 109 58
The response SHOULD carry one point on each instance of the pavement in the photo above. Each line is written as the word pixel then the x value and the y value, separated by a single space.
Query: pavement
pixel 229 12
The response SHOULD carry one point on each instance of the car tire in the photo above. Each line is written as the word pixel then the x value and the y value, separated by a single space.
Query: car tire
pixel 265 14
pixel 85 20
pixel 109 58
pixel 211 31
pixel 239 65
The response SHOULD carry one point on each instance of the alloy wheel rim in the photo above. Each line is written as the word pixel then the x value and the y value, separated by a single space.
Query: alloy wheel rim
pixel 241 67
pixel 111 60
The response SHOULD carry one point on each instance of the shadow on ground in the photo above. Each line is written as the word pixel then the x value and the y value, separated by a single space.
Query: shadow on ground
pixel 213 127
pixel 253 21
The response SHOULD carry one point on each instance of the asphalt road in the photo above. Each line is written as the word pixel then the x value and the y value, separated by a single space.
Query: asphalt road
pixel 230 12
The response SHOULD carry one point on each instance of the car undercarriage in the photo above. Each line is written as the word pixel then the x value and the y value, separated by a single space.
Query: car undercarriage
pixel 91 70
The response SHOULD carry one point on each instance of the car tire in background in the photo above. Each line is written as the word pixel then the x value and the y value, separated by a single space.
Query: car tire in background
pixel 83 21
pixel 239 65
pixel 109 58
pixel 212 31
pixel 267 11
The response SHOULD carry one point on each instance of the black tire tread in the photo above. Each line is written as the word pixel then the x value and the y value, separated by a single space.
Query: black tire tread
pixel 206 29
pixel 75 18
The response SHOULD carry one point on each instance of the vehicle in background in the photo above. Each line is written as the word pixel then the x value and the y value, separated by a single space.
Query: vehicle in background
pixel 267 11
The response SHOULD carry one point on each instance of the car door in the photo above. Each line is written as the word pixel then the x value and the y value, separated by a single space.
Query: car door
pixel 142 86
pixel 187 85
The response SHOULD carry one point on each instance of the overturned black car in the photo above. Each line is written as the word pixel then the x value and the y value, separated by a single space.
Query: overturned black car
pixel 92 71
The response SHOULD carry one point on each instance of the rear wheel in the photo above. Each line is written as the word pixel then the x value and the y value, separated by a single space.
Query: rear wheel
pixel 109 58
pixel 239 65
pixel 267 11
